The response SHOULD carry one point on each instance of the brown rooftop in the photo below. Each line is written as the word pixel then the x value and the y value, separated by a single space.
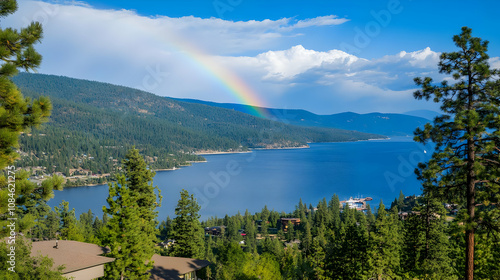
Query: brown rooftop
pixel 74 255
pixel 170 268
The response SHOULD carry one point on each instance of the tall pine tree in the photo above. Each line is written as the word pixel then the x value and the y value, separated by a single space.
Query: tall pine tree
pixel 186 228
pixel 465 165
pixel 16 112
pixel 131 231
pixel 385 248
pixel 426 247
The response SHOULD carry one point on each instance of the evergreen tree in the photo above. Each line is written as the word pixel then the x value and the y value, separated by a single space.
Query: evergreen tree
pixel 27 267
pixel 264 216
pixel 230 262
pixel 348 250
pixel 385 248
pixel 464 168
pixel 232 229
pixel 86 223
pixel 370 217
pixel 51 225
pixel 487 253
pixel 263 267
pixel 426 246
pixel 293 264
pixel 334 208
pixel 306 241
pixel 317 260
pixel 290 232
pixel 251 232
pixel 30 199
pixel 69 228
pixel 131 231
pixel 165 229
pixel 186 228
pixel 17 113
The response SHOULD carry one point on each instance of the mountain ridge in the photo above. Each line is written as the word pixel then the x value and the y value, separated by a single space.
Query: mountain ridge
pixel 390 124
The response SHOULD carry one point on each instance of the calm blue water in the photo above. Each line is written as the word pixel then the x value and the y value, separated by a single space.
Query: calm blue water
pixel 230 183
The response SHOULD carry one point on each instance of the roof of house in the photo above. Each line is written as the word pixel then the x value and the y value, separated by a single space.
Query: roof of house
pixel 170 268
pixel 74 255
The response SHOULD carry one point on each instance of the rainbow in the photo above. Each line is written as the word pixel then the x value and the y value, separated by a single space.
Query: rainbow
pixel 227 79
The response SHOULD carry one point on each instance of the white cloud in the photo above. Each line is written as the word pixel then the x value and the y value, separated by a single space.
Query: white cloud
pixel 215 35
pixel 320 21
pixel 338 77
pixel 495 62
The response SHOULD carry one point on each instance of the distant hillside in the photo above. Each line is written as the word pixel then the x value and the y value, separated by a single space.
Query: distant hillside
pixel 378 123
pixel 93 124
pixel 426 114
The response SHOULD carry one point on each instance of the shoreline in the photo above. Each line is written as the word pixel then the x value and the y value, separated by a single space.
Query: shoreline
pixel 374 139
pixel 283 148
pixel 219 153
pixel 232 152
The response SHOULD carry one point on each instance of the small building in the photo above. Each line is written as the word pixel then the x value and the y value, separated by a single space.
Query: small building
pixel 286 221
pixel 81 261
pixel 215 231
pixel 173 268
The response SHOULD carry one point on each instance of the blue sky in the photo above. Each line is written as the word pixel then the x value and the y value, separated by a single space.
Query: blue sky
pixel 323 56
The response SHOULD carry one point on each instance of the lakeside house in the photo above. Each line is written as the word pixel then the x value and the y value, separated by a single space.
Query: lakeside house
pixel 215 231
pixel 286 221
pixel 83 261
pixel 173 268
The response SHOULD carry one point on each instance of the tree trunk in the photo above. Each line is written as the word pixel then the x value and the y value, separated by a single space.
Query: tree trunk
pixel 469 233
pixel 471 184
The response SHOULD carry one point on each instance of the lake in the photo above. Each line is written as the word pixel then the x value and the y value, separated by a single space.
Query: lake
pixel 228 183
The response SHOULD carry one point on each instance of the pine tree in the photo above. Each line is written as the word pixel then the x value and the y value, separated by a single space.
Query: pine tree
pixel 27 267
pixel 426 246
pixel 334 209
pixel 317 260
pixel 17 113
pixel 131 231
pixel 348 250
pixel 464 168
pixel 86 222
pixel 251 232
pixel 232 230
pixel 290 232
pixel 30 199
pixel 186 228
pixel 69 228
pixel 385 248
pixel 264 226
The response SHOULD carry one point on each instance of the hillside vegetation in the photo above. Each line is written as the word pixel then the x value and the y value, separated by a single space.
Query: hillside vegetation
pixel 93 124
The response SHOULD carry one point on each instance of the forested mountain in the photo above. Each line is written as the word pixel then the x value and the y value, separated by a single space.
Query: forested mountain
pixel 93 124
pixel 378 123
pixel 426 114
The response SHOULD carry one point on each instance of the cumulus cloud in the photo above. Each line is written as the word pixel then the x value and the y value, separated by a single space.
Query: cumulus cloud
pixel 299 64
pixel 335 77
